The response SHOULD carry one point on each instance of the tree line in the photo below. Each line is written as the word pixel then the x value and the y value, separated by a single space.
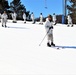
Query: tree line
pixel 16 6
pixel 72 10
pixel 19 8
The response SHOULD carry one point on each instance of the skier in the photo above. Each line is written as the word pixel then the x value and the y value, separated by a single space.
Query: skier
pixel 14 15
pixel 49 30
pixel 41 19
pixel 33 18
pixel 54 19
pixel 69 21
pixel 4 19
pixel 24 17
pixel 0 17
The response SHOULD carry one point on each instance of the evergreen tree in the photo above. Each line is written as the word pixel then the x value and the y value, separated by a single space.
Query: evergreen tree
pixel 72 10
pixel 4 5
pixel 19 8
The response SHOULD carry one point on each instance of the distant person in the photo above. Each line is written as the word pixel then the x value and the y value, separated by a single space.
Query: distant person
pixel 49 30
pixel 54 19
pixel 14 16
pixel 0 17
pixel 69 21
pixel 24 17
pixel 4 19
pixel 33 18
pixel 41 19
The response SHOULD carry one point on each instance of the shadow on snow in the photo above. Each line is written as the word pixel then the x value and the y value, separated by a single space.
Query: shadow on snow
pixel 69 47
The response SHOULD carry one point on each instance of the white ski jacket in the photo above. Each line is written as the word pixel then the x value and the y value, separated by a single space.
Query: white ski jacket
pixel 41 18
pixel 24 16
pixel 14 15
pixel 54 17
pixel 4 17
pixel 48 24
pixel 32 16
pixel 69 18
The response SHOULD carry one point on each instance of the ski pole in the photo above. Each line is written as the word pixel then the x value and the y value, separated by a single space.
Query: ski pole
pixel 43 38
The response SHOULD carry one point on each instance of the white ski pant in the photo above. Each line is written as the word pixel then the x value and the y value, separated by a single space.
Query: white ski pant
pixel 50 37
pixel 70 23
pixel 41 20
pixel 33 20
pixel 4 22
pixel 14 19
pixel 24 20
pixel 54 21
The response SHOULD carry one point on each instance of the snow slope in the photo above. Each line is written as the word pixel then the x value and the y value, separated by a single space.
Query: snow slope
pixel 20 52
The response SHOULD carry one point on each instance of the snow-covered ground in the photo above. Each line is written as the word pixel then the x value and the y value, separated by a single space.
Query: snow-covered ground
pixel 20 52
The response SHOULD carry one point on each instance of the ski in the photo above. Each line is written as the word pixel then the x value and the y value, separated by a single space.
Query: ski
pixel 57 47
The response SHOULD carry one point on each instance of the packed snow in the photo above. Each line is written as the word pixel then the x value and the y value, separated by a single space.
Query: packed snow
pixel 20 52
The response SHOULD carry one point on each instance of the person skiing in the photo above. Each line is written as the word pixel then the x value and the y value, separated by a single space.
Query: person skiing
pixel 14 15
pixel 69 21
pixel 4 19
pixel 41 19
pixel 24 17
pixel 49 30
pixel 33 18
pixel 0 17
pixel 54 19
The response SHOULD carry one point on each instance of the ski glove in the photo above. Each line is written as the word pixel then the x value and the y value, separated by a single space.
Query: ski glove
pixel 51 27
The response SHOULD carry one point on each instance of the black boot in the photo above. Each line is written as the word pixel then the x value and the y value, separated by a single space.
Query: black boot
pixel 48 44
pixel 52 44
pixel 14 22
pixel 5 26
pixel 55 24
pixel 33 23
pixel 2 26
pixel 68 25
pixel 41 23
pixel 72 26
pixel 24 22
